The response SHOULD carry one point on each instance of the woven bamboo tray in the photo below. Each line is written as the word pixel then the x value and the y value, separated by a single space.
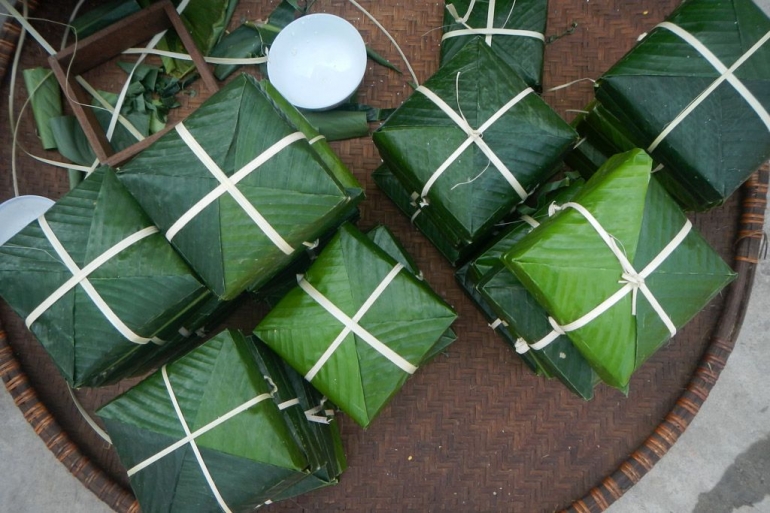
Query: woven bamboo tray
pixel 474 430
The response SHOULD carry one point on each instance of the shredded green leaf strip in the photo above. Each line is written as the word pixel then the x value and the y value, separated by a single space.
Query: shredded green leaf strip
pixel 45 95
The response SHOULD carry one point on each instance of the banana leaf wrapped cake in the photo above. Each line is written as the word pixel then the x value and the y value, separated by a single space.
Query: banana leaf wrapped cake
pixel 619 268
pixel 513 312
pixel 695 93
pixel 389 184
pixel 98 285
pixel 242 186
pixel 224 428
pixel 357 325
pixel 513 29
pixel 471 143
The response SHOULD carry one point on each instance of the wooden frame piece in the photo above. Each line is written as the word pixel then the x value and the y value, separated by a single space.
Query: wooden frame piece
pixel 99 48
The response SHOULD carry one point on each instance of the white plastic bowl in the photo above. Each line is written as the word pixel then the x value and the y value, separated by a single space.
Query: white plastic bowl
pixel 16 213
pixel 317 61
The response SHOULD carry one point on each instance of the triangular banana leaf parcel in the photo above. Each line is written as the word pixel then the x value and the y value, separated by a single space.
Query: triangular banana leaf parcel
pixel 472 142
pixel 514 29
pixel 204 433
pixel 357 325
pixel 695 92
pixel 97 283
pixel 241 186
pixel 619 268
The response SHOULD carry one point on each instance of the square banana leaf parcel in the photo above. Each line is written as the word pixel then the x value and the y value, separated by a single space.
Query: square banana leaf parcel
pixel 242 186
pixel 472 142
pixel 619 268
pixel 97 283
pixel 514 29
pixel 695 93
pixel 357 325
pixel 207 432
pixel 450 246
pixel 512 311
pixel 311 419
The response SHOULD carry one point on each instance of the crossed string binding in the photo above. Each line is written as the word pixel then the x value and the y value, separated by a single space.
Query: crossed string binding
pixel 632 281
pixel 352 324
pixel 490 29
pixel 726 74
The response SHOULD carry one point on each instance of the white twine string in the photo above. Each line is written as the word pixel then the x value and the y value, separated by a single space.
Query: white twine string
pixel 351 325
pixel 122 96
pixel 726 74
pixel 490 29
pixel 80 277
pixel 190 437
pixel 387 34
pixel 186 57
pixel 497 323
pixel 228 184
pixel 568 84
pixel 474 137
pixel 193 445
pixel 489 32
pixel 529 220
pixel 310 414
pixel 28 27
pixel 89 420
pixel 632 281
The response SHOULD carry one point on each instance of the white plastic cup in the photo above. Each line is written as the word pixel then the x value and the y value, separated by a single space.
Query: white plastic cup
pixel 317 61
pixel 18 212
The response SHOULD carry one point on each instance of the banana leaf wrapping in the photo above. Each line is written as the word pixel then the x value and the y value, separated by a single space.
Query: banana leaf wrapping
pixel 515 314
pixel 311 419
pixel 389 184
pixel 358 325
pixel 601 136
pixel 388 242
pixel 261 187
pixel 514 29
pixel 471 143
pixel 215 430
pixel 672 94
pixel 97 284
pixel 619 268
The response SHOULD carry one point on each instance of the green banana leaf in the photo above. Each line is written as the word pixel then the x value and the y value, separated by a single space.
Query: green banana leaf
pixel 408 317
pixel 302 191
pixel 472 194
pixel 71 140
pixel 593 149
pixel 243 42
pixel 571 270
pixel 251 456
pixel 206 20
pixel 499 295
pixel 147 286
pixel 317 431
pixel 450 247
pixel 272 292
pixel 388 242
pixel 337 125
pixel 197 326
pixel 45 98
pixel 468 285
pixel 103 16
pixel 526 319
pixel 522 53
pixel 723 140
